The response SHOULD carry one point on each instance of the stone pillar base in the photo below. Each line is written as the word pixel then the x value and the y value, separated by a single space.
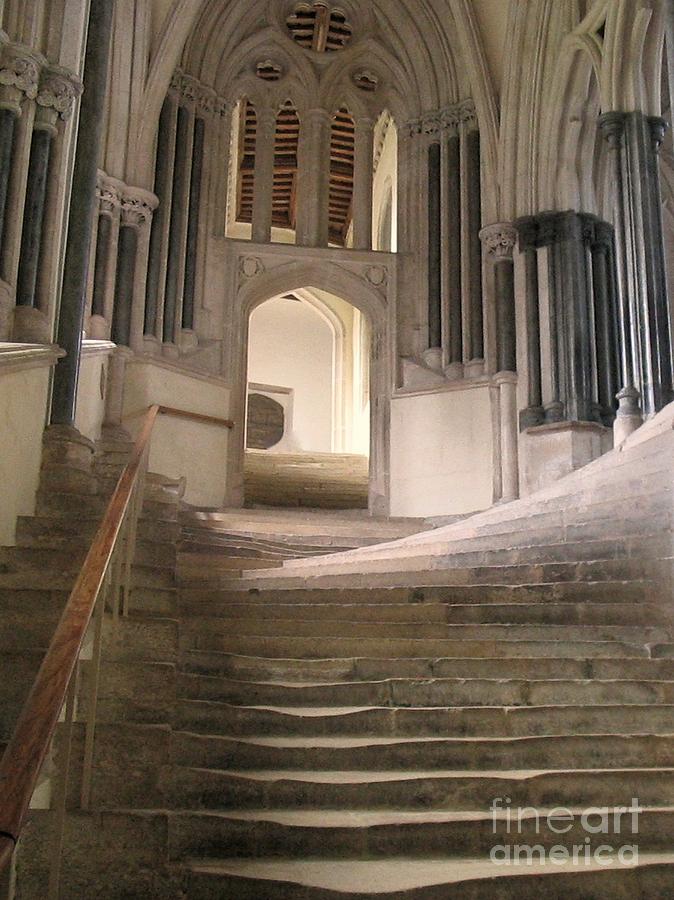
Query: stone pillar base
pixel 114 402
pixel 629 417
pixel 99 330
pixel 474 368
pixel 6 311
pixel 31 326
pixel 454 371
pixel 549 452
pixel 433 358
pixel 67 458
pixel 151 345
pixel 171 351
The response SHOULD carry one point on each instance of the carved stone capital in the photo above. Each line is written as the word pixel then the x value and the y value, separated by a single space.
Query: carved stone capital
pixel 612 126
pixel 20 69
pixel 658 128
pixel 500 240
pixel 137 207
pixel 467 113
pixel 58 89
pixel 411 129
pixel 109 193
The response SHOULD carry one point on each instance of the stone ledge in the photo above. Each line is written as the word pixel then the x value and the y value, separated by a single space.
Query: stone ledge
pixel 20 357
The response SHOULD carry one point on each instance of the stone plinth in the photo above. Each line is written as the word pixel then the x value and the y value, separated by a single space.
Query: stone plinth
pixel 549 452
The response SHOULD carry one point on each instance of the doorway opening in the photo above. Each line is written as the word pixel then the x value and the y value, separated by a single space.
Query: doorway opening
pixel 308 403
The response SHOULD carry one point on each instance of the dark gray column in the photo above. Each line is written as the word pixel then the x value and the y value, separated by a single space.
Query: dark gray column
pixel 83 202
pixel 101 265
pixel 434 246
pixel 474 221
pixel 127 252
pixel 162 188
pixel 33 217
pixel 533 413
pixel 454 298
pixel 499 240
pixel 193 224
pixel 604 319
pixel 175 247
pixel 7 125
pixel 645 324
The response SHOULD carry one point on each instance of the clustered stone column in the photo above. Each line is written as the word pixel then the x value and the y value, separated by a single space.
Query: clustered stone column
pixel 105 242
pixel 455 314
pixel 645 323
pixel 187 124
pixel 579 342
pixel 35 99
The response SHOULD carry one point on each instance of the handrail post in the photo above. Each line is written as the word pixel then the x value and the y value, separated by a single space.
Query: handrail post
pixel 92 705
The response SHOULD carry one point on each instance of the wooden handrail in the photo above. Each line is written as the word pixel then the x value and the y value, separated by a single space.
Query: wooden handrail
pixel 195 416
pixel 25 754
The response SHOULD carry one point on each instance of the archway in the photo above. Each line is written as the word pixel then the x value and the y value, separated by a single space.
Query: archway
pixel 309 356
pixel 313 279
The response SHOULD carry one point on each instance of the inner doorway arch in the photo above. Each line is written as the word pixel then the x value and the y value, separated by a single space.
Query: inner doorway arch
pixel 337 280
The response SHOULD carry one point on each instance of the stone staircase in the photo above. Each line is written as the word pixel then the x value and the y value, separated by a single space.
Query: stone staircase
pixel 313 480
pixel 341 726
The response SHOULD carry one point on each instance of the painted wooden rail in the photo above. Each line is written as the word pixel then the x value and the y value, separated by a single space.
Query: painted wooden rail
pixel 55 689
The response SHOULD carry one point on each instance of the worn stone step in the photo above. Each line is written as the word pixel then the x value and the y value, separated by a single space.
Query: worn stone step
pixel 20 668
pixel 442 613
pixel 139 638
pixel 440 879
pixel 398 692
pixel 256 668
pixel 326 753
pixel 602 591
pixel 354 834
pixel 297 627
pixel 315 648
pixel 193 788
pixel 470 721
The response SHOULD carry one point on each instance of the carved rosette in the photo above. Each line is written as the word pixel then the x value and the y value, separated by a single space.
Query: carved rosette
pixel 377 276
pixel 20 69
pixel 137 207
pixel 500 240
pixel 58 90
pixel 250 266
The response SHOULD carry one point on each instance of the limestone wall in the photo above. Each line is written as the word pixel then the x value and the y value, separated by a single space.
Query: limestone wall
pixel 442 452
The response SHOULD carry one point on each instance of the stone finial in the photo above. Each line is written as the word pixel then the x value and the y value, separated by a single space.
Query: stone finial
pixel 137 207
pixel 20 69
pixel 58 89
pixel 500 240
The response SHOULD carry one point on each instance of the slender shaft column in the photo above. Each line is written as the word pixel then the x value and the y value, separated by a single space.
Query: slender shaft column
pixel 44 132
pixel 473 223
pixel 163 186
pixel 452 183
pixel 314 179
pixel 434 247
pixel 500 240
pixel 222 124
pixel 82 205
pixel 8 117
pixel 363 184
pixel 264 175
pixel 126 269
pixel 613 128
pixel 103 289
pixel 176 242
pixel 193 225
pixel 533 413
pixel 132 260
pixel 19 81
pixel 604 321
